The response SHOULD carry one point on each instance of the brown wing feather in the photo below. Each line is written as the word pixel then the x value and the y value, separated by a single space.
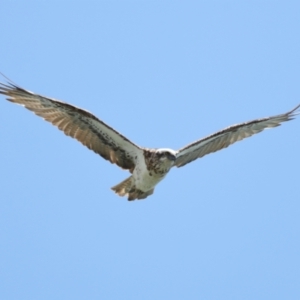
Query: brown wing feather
pixel 228 136
pixel 79 124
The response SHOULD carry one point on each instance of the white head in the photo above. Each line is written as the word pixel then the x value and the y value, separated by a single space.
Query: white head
pixel 166 154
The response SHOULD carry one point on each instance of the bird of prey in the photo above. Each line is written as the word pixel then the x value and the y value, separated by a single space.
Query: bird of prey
pixel 147 166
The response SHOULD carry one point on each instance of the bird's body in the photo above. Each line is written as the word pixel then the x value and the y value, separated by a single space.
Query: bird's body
pixel 149 171
pixel 147 166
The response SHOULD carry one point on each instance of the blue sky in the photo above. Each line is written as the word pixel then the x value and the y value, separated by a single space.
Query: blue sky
pixel 164 74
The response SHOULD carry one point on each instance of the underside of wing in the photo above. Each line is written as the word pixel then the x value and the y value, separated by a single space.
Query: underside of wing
pixel 79 124
pixel 228 136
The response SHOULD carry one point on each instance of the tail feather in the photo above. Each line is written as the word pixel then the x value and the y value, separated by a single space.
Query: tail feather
pixel 123 187
pixel 127 187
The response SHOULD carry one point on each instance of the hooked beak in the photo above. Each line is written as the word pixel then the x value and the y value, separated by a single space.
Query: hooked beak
pixel 172 157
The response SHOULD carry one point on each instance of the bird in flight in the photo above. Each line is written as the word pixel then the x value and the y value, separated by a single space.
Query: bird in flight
pixel 147 166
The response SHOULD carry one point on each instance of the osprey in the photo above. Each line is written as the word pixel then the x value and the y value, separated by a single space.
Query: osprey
pixel 147 166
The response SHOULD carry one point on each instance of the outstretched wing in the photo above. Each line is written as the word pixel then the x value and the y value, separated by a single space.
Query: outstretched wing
pixel 228 136
pixel 79 124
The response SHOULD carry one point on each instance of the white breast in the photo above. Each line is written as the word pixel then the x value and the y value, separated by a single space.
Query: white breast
pixel 143 180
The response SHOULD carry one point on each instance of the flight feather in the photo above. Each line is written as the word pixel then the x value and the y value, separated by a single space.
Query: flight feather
pixel 79 124
pixel 228 136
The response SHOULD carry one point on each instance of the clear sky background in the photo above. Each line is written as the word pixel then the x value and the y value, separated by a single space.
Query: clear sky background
pixel 164 74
